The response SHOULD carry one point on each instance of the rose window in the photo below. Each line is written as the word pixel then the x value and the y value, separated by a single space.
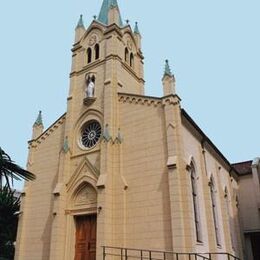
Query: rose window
pixel 91 133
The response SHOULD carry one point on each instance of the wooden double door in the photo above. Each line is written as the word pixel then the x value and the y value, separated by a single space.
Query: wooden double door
pixel 86 229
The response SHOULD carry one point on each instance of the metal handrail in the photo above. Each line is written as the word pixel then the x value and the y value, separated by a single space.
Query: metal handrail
pixel 146 254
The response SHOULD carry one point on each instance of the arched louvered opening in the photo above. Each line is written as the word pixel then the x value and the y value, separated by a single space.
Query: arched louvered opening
pixel 126 55
pixel 97 51
pixel 89 55
pixel 132 60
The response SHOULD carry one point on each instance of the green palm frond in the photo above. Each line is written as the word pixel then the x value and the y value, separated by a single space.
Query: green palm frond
pixel 10 170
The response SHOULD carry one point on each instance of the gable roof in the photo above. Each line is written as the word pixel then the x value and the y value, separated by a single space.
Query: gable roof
pixel 243 168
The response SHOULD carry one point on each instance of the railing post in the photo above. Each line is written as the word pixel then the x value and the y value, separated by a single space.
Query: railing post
pixel 141 254
pixel 104 252
pixel 164 256
pixel 228 257
pixel 125 254
pixel 189 256
pixel 150 255
pixel 177 256
pixel 196 257
pixel 121 253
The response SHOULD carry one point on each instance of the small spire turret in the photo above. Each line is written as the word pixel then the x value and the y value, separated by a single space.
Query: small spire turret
pixel 168 80
pixel 80 22
pixel 38 126
pixel 167 69
pixel 38 121
pixel 137 35
pixel 136 29
pixel 80 29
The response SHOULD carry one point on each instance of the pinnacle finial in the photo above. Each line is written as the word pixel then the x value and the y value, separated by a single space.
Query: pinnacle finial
pixel 38 121
pixel 167 69
pixel 136 29
pixel 80 22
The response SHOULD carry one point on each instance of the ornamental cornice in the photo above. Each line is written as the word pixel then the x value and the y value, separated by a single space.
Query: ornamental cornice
pixel 171 100
pixel 138 99
pixel 148 100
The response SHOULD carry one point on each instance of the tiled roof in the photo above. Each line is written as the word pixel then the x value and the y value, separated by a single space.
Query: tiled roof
pixel 243 168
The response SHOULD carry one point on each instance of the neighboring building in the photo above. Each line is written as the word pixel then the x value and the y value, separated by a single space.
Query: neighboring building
pixel 249 206
pixel 123 169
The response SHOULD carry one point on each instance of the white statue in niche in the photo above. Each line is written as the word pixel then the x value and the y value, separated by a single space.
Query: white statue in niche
pixel 90 86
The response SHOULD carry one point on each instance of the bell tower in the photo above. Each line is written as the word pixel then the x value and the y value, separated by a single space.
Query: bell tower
pixel 106 60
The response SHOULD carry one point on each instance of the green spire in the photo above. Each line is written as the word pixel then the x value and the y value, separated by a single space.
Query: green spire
pixel 136 30
pixel 167 70
pixel 106 6
pixel 38 121
pixel 80 22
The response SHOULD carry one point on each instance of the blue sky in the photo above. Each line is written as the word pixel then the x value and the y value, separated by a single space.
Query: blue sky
pixel 212 46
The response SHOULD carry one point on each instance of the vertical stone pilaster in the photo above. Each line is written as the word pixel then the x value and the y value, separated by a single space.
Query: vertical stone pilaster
pixel 178 182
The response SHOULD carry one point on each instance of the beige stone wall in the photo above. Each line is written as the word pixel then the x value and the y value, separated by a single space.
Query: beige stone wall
pixel 208 164
pixel 148 222
pixel 35 222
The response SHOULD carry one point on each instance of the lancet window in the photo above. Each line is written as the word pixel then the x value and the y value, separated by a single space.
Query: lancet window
pixel 132 60
pixel 126 55
pixel 213 194
pixel 89 55
pixel 195 200
pixel 97 51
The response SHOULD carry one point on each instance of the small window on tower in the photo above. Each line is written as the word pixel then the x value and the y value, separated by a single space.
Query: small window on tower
pixel 97 51
pixel 126 55
pixel 131 60
pixel 89 55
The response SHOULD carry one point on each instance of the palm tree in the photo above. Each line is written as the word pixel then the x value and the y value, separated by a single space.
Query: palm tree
pixel 10 171
pixel 9 207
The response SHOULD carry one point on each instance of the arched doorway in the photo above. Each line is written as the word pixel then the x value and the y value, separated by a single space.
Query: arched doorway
pixel 82 224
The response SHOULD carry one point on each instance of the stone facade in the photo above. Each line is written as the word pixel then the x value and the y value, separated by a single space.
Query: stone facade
pixel 137 177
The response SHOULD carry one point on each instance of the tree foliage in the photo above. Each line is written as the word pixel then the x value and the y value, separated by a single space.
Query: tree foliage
pixel 9 208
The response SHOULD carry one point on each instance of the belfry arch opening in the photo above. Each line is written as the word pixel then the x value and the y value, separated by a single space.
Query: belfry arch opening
pixel 97 51
pixel 89 55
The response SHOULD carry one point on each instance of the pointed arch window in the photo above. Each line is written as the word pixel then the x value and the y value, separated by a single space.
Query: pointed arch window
pixel 213 195
pixel 97 51
pixel 89 55
pixel 132 60
pixel 126 55
pixel 195 200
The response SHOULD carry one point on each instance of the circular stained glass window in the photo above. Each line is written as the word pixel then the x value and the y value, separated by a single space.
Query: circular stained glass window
pixel 91 133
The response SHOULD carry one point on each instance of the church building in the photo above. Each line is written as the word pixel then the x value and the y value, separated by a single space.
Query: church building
pixel 121 171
